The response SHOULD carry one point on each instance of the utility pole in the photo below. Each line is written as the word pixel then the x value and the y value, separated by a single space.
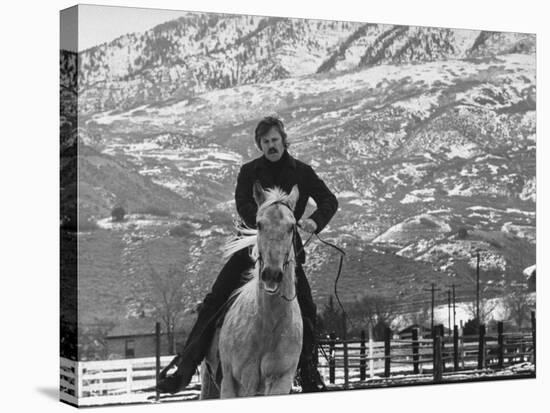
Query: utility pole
pixel 433 290
pixel 454 306
pixel 449 301
pixel 477 291
pixel 433 305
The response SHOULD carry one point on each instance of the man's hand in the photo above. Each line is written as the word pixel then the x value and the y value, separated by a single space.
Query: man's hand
pixel 308 225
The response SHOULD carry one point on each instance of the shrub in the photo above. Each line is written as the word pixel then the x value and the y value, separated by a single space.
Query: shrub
pixel 471 327
pixel 462 233
pixel 118 214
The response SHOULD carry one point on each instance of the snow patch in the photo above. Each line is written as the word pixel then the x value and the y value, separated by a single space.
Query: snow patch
pixel 419 195
pixel 458 190
pixel 347 194
pixel 527 232
pixel 529 192
pixel 416 228
pixel 465 151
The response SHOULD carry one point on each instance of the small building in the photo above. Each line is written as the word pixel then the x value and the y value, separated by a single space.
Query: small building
pixel 530 274
pixel 406 333
pixel 135 338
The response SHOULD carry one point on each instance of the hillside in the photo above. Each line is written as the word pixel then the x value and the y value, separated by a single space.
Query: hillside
pixel 427 136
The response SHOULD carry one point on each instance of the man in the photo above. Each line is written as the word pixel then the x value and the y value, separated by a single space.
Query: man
pixel 275 168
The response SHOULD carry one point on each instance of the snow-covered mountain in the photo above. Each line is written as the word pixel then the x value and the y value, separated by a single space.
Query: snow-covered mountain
pixel 202 52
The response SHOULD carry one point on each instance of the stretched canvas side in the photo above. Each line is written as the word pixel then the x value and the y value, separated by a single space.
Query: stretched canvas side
pixel 68 123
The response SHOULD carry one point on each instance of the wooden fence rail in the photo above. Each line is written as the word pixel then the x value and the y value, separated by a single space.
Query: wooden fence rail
pixel 366 358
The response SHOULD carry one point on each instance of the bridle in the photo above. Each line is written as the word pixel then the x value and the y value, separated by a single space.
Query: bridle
pixel 288 258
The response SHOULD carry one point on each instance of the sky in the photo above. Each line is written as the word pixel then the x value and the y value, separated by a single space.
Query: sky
pixel 99 24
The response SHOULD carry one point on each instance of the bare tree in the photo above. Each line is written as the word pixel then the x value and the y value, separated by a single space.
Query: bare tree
pixel 422 317
pixel 376 310
pixel 330 319
pixel 165 296
pixel 486 309
pixel 518 303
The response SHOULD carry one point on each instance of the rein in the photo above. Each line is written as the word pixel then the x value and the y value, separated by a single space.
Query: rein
pixel 340 264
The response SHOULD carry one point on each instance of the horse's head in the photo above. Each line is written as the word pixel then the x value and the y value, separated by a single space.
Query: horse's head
pixel 276 231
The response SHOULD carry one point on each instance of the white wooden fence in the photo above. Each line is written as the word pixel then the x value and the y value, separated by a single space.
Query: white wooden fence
pixel 89 383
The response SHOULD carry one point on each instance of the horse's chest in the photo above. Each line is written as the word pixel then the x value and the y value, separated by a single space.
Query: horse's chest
pixel 265 341
pixel 276 351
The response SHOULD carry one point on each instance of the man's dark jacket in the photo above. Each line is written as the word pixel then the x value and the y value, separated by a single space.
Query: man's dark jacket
pixel 284 174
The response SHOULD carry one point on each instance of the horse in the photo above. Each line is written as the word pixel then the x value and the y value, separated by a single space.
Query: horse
pixel 258 345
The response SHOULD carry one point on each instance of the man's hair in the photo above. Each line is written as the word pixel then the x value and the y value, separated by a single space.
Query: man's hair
pixel 265 125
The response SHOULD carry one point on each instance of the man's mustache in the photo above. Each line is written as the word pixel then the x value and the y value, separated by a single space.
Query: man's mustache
pixel 272 150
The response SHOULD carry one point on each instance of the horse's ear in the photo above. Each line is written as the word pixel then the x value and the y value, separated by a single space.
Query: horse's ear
pixel 293 197
pixel 258 192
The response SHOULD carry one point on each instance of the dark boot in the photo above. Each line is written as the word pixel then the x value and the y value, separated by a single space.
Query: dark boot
pixel 310 379
pixel 180 379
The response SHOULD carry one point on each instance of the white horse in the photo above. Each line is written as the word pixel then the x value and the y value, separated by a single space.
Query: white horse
pixel 260 340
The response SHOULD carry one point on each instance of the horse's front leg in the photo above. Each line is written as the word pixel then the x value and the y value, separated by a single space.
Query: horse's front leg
pixel 279 384
pixel 227 388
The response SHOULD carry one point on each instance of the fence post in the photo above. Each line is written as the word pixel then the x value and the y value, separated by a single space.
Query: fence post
pixel 534 332
pixel 332 359
pixel 455 347
pixel 387 349
pixel 371 353
pixel 362 361
pixel 481 348
pixel 438 370
pixel 157 357
pixel 500 327
pixel 415 350
pixel 79 379
pixel 129 379
pixel 346 364
pixel 441 334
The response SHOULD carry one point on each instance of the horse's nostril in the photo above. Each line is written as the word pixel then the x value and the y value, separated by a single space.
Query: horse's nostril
pixel 269 274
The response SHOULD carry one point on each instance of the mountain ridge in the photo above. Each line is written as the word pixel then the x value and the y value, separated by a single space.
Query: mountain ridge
pixel 199 52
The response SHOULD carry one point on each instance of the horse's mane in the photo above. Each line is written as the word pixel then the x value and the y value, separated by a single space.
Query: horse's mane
pixel 246 237
pixel 273 195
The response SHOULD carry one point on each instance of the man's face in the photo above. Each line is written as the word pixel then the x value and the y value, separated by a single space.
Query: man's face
pixel 272 145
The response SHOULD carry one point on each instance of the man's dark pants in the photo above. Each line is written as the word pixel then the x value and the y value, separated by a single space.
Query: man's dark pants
pixel 229 279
